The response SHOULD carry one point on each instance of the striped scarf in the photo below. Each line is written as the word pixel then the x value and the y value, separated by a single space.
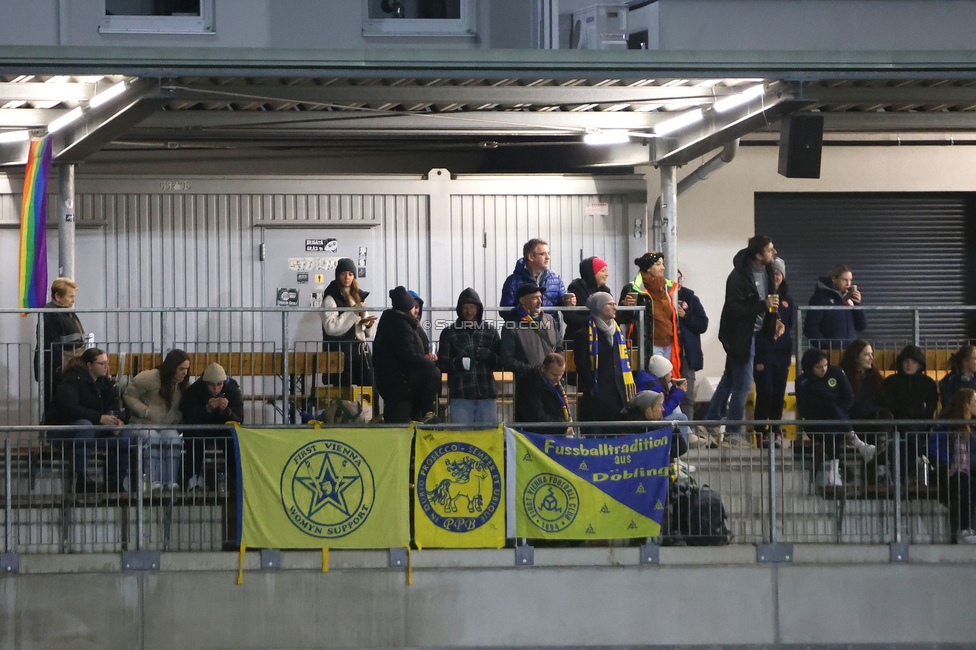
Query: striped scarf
pixel 526 316
pixel 621 346
pixel 561 394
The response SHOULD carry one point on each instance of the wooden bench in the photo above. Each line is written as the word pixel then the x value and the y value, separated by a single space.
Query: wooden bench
pixel 237 364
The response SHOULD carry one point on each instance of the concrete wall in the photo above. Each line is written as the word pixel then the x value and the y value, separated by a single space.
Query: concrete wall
pixel 827 25
pixel 717 216
pixel 571 598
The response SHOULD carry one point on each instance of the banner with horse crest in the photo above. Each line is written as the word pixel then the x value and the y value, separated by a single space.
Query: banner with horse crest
pixel 593 488
pixel 460 492
pixel 325 488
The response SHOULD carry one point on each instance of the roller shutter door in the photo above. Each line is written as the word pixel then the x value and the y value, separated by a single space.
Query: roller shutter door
pixel 903 248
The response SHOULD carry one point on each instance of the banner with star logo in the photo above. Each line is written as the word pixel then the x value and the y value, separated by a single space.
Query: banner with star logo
pixel 591 488
pixel 325 488
pixel 460 490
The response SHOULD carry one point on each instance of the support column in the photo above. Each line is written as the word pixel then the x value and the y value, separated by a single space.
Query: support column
pixel 669 220
pixel 66 221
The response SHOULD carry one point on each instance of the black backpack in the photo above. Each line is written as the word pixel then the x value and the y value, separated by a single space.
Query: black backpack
pixel 698 515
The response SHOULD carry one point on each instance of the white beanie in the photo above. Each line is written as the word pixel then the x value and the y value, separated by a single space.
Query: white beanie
pixel 659 366
pixel 215 374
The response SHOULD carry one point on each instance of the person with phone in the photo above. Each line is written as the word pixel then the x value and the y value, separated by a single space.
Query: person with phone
pixel 347 331
pixel 835 329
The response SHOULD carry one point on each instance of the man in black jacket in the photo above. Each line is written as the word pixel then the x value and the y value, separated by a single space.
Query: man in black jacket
pixel 214 398
pixel 407 376
pixel 63 336
pixel 470 352
pixel 540 397
pixel 692 323
pixel 750 310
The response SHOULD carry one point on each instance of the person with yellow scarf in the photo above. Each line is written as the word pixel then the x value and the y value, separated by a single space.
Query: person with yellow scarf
pixel 604 376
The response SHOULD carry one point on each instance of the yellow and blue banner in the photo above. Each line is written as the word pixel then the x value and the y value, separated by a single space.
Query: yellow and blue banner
pixel 586 488
pixel 325 488
pixel 460 490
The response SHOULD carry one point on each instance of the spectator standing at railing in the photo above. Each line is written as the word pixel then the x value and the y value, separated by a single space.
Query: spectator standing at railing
pixel 64 337
pixel 86 397
pixel 540 397
pixel 655 293
pixel 751 309
pixel 347 331
pixel 594 273
pixel 604 376
pixel 214 398
pixel 824 393
pixel 153 397
pixel 910 394
pixel 773 360
pixel 533 268
pixel 692 323
pixel 530 334
pixel 834 328
pixel 962 373
pixel 407 376
pixel 470 352
pixel 951 447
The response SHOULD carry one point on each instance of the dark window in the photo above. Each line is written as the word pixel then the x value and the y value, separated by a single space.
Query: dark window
pixel 152 8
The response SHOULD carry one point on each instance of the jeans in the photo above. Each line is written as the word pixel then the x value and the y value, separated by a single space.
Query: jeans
pixel 678 416
pixel 117 451
pixel 162 455
pixel 732 390
pixel 663 350
pixel 473 411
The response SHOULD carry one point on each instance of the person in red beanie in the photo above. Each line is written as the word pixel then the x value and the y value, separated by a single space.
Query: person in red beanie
pixel 594 273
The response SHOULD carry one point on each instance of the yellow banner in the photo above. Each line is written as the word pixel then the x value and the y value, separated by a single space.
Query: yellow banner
pixel 460 495
pixel 325 488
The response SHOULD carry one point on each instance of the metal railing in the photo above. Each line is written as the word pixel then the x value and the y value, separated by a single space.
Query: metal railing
pixel 772 494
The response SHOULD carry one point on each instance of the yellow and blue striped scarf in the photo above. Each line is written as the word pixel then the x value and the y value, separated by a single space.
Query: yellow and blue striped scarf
pixel 561 394
pixel 621 346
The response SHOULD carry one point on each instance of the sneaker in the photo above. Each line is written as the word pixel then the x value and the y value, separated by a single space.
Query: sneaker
pixel 688 467
pixel 868 452
pixel 194 483
pixel 155 486
pixel 173 486
pixel 736 441
pixel 694 440
pixel 967 536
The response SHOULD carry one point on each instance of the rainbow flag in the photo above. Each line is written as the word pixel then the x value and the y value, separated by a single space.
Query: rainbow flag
pixel 33 226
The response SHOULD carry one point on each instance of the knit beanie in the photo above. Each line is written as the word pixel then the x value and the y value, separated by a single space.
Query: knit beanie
pixel 596 302
pixel 401 300
pixel 343 265
pixel 779 264
pixel 214 374
pixel 645 399
pixel 647 260
pixel 659 366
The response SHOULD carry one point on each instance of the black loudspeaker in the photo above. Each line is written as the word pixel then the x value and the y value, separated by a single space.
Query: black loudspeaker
pixel 800 145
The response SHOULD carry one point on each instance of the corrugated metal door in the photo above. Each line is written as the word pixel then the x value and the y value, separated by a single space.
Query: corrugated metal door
pixel 903 248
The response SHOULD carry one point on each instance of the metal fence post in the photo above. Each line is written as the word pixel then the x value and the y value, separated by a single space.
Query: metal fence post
pixel 41 379
pixel 8 514
pixel 772 485
pixel 643 353
pixel 916 327
pixel 798 339
pixel 897 468
pixel 140 495
pixel 285 408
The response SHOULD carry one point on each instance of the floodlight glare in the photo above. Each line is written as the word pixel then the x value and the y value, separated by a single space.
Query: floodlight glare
pixel 615 136
pixel 728 103
pixel 679 122
pixel 64 120
pixel 14 136
pixel 104 96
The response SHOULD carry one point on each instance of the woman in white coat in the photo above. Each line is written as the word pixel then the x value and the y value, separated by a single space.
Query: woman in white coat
pixel 347 331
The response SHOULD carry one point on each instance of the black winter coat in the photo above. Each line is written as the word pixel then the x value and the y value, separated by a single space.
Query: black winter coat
pixel 690 328
pixel 742 306
pixel 80 396
pixel 779 352
pixel 478 341
pixel 611 396
pixel 911 397
pixel 826 398
pixel 194 405
pixel 835 327
pixel 577 320
pixel 535 401
pixel 398 352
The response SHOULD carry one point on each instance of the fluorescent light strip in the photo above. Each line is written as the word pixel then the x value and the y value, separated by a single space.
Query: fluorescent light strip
pixel 14 136
pixel 107 95
pixel 728 103
pixel 614 136
pixel 679 122
pixel 64 120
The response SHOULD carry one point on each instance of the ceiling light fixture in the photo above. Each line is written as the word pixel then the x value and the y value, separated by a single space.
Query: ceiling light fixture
pixel 728 103
pixel 14 136
pixel 679 122
pixel 64 120
pixel 613 136
pixel 106 95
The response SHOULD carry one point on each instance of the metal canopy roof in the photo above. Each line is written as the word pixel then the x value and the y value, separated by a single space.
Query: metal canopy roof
pixel 253 102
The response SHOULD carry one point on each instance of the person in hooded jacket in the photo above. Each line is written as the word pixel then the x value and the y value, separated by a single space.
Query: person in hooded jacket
pixel 962 373
pixel 407 376
pixel 593 277
pixel 470 352
pixel 835 328
pixel 692 323
pixel 773 360
pixel 824 393
pixel 86 397
pixel 910 394
pixel 347 331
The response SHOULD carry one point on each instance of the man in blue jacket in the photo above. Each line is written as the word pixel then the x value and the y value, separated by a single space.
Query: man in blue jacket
pixel 835 328
pixel 533 268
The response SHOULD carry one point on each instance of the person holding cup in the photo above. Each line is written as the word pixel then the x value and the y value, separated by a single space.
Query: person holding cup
pixel 651 290
pixel 470 353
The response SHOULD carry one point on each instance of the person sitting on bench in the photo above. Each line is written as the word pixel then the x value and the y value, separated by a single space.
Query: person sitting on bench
pixel 214 398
